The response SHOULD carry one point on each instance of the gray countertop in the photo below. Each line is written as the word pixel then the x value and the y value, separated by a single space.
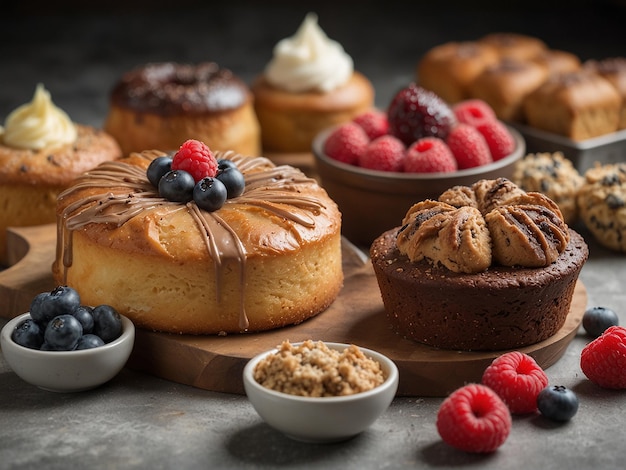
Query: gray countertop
pixel 141 421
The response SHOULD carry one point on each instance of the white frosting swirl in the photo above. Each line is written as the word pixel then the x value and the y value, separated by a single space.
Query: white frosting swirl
pixel 38 124
pixel 309 61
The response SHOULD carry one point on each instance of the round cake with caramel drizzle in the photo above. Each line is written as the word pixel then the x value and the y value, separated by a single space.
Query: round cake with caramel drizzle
pixel 485 267
pixel 268 258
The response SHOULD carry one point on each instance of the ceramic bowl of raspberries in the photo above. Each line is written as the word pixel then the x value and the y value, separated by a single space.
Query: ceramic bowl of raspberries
pixel 383 161
pixel 63 346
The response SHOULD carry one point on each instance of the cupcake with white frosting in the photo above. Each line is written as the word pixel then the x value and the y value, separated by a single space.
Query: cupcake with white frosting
pixel 41 152
pixel 309 85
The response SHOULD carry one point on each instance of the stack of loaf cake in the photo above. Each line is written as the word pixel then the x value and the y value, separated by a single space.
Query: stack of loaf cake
pixel 525 81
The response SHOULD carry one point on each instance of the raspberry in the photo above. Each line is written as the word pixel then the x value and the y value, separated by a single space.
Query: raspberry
pixel 468 147
pixel 517 379
pixel 373 122
pixel 429 155
pixel 499 140
pixel 415 113
pixel 603 360
pixel 386 153
pixel 474 419
pixel 195 158
pixel 346 143
pixel 473 112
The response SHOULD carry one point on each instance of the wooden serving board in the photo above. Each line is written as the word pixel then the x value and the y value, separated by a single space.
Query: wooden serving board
pixel 216 362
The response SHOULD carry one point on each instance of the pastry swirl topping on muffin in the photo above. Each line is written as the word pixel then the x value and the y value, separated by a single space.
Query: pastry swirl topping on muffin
pixel 492 222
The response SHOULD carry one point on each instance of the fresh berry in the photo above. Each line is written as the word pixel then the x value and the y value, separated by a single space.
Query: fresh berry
pixel 474 419
pixel 603 360
pixel 517 379
pixel 597 319
pixel 89 341
pixel 416 112
pixel 223 163
pixel 384 153
pixel 429 155
pixel 195 158
pixel 499 140
pixel 85 316
pixel 346 143
pixel 374 122
pixel 107 323
pixel 233 180
pixel 557 402
pixel 468 147
pixel 63 333
pixel 157 169
pixel 28 334
pixel 473 112
pixel 210 194
pixel 177 186
pixel 47 305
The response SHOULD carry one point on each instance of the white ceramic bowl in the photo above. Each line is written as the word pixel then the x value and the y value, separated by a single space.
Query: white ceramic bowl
pixel 67 371
pixel 325 419
pixel 372 202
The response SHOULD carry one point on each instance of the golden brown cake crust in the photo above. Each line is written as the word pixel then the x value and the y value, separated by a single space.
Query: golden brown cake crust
pixel 30 180
pixel 271 256
pixel 579 105
pixel 514 45
pixel 557 61
pixel 289 121
pixel 58 166
pixel 450 68
pixel 614 70
pixel 506 84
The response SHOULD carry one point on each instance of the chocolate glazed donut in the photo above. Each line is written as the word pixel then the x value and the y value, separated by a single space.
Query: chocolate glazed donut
pixel 160 105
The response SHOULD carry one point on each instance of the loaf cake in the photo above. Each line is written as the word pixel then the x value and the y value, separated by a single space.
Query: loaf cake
pixel 159 105
pixel 579 105
pixel 614 70
pixel 41 152
pixel 450 68
pixel 514 46
pixel 506 84
pixel 484 267
pixel 267 258
pixel 309 85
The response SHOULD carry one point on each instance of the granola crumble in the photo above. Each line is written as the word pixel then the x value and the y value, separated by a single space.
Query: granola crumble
pixel 311 369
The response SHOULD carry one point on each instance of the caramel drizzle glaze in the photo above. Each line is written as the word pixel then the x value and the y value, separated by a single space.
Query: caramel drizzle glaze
pixel 272 188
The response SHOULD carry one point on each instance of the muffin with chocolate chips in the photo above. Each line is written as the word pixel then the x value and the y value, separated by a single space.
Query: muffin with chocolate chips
pixel 602 203
pixel 553 175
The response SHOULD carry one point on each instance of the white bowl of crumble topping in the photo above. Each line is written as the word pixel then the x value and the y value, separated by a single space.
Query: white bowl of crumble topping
pixel 316 391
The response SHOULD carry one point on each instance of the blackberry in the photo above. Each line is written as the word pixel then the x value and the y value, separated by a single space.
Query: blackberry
pixel 416 112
